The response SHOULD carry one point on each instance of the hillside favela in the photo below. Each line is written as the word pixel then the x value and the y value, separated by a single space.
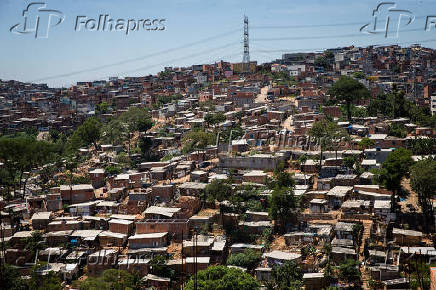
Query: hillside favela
pixel 315 170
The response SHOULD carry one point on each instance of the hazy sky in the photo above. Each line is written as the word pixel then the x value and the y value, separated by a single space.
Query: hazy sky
pixel 196 31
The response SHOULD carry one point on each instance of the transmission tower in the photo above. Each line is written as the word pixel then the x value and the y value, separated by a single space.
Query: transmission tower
pixel 246 59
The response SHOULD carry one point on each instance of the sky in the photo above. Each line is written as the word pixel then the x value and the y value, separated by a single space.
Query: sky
pixel 196 32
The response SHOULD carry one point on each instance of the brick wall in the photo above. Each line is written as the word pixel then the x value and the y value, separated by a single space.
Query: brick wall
pixel 175 228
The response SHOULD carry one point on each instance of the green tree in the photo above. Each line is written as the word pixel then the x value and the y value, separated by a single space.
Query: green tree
pixel 349 272
pixel 284 205
pixel 111 279
pixel 163 100
pixel 209 119
pixel 22 154
pixel 396 105
pixel 321 61
pixel 114 132
pixel 38 153
pixel 267 237
pixel 399 103
pixel 89 132
pixel 366 143
pixel 224 135
pixel 380 105
pixel 197 140
pixel 248 259
pixel 358 75
pixel 213 119
pixel 357 232
pixel 329 271
pixel 138 119
pixel 422 146
pixel 376 285
pixel 47 172
pixel 325 132
pixel 329 54
pixel 356 111
pixel 13 156
pixel 423 181
pixel 420 116
pixel 145 144
pixel 348 90
pixel 55 135
pixel 119 279
pixel 282 178
pixel 50 281
pixel 10 278
pixel 223 278
pixel 123 159
pixel 397 130
pixel 92 283
pixel 420 275
pixel 102 108
pixel 144 124
pixel 288 276
pixel 393 170
pixel 112 170
pixel 159 267
pixel 35 243
pixel 393 105
pixel 219 190
pixel 6 183
pixel 350 161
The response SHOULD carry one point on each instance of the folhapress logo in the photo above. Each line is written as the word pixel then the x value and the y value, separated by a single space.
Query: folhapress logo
pixel 38 20
pixel 107 23
pixel 388 20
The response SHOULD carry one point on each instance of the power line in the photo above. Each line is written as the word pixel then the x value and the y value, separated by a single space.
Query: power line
pixel 182 58
pixel 168 63
pixel 305 26
pixel 322 36
pixel 315 25
pixel 221 35
pixel 188 45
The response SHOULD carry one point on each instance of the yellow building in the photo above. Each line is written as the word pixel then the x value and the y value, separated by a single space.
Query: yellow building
pixel 243 67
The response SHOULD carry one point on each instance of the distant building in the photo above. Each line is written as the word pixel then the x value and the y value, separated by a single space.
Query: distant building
pixel 433 105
